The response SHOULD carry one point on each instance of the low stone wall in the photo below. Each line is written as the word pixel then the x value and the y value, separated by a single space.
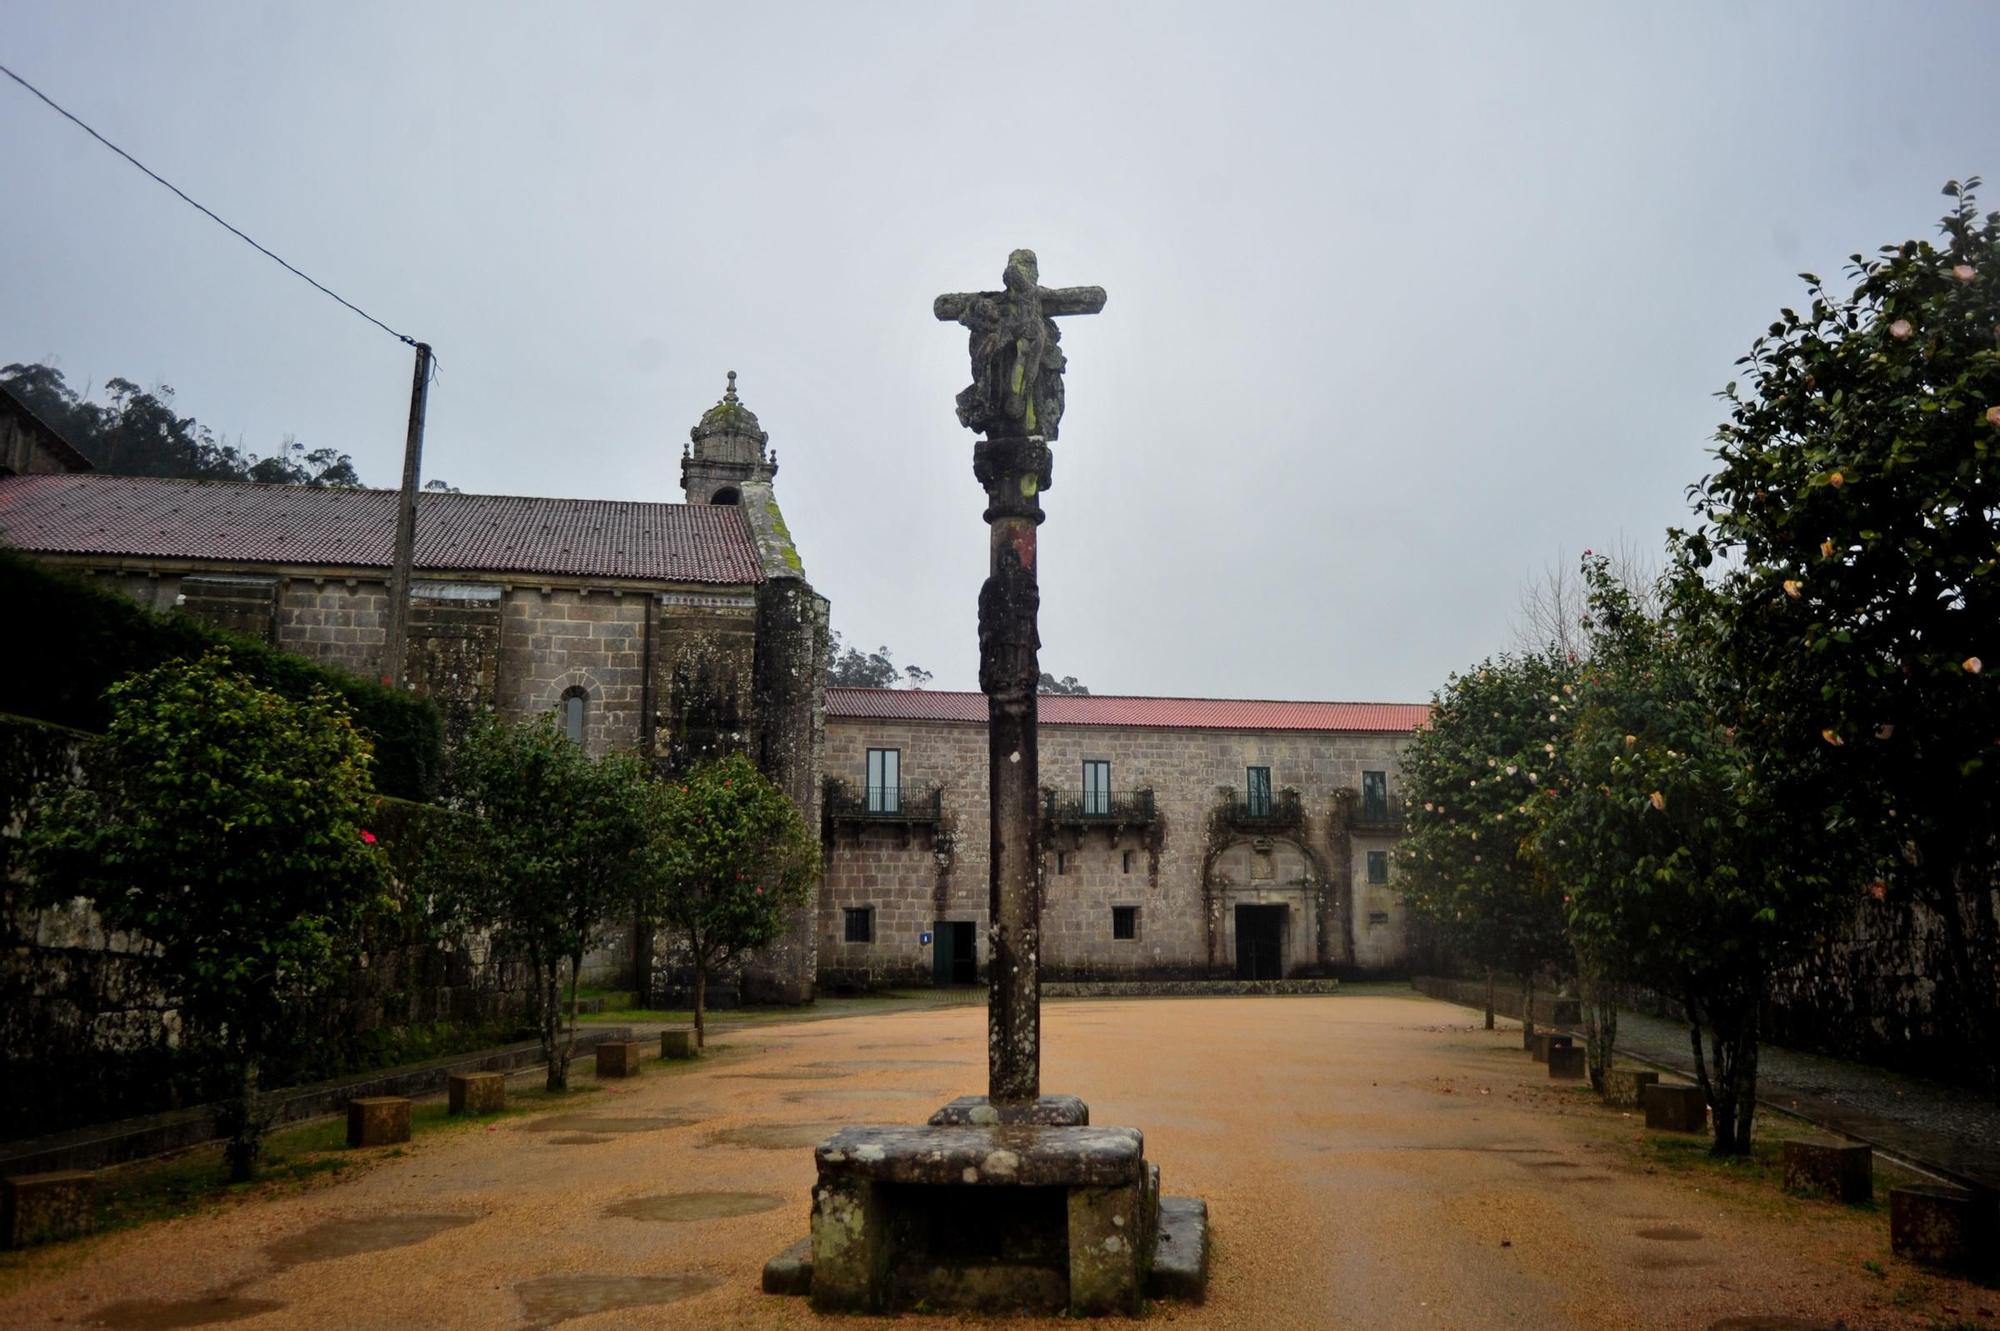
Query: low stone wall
pixel 159 1134
pixel 1182 988
pixel 1550 1009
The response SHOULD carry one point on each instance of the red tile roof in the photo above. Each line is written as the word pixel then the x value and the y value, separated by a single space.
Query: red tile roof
pixel 145 517
pixel 1162 713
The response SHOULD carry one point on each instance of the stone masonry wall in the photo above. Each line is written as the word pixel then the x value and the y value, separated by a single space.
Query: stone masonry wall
pixel 912 877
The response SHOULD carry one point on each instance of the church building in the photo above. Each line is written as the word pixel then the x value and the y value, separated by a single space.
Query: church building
pixel 678 629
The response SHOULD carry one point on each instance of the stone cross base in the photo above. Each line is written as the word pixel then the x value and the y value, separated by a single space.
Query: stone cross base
pixel 999 1217
pixel 1048 1111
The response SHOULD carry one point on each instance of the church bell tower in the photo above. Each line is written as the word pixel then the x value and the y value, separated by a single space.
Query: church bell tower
pixel 727 451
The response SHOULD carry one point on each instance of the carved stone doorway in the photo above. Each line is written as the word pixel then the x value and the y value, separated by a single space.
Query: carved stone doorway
pixel 1260 942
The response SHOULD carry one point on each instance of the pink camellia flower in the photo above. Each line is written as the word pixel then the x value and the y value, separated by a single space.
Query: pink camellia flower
pixel 1993 417
pixel 1878 889
pixel 1792 588
pixel 1973 665
pixel 760 891
pixel 1832 736
pixel 1901 330
pixel 1659 800
pixel 367 836
pixel 1836 480
pixel 1964 272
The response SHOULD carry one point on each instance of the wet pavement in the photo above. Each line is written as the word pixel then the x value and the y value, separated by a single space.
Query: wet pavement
pixel 1369 1161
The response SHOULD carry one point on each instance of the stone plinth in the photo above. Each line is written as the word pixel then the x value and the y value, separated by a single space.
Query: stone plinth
pixel 476 1092
pixel 1545 1041
pixel 791 1271
pixel 1566 1062
pixel 378 1120
pixel 1840 1172
pixel 1943 1227
pixel 995 1218
pixel 618 1058
pixel 1049 1111
pixel 678 1042
pixel 1675 1108
pixel 1180 1251
pixel 35 1208
pixel 1623 1087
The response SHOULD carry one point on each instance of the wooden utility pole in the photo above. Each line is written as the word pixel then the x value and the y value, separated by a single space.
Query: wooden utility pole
pixel 406 526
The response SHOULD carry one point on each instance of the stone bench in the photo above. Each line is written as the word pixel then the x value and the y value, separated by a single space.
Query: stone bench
pixel 35 1208
pixel 1841 1172
pixel 378 1120
pixel 476 1092
pixel 996 1218
pixel 1546 1040
pixel 1567 1062
pixel 1944 1227
pixel 678 1042
pixel 1675 1108
pixel 1623 1087
pixel 618 1058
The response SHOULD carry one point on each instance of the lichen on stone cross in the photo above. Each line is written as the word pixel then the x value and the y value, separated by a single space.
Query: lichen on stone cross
pixel 1017 359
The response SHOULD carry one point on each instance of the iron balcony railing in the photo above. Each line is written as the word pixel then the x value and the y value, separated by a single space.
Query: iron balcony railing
pixel 1099 806
pixel 1279 809
pixel 889 804
pixel 1384 813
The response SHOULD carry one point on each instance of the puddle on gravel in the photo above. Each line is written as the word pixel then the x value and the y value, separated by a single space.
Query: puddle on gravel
pixel 1670 1233
pixel 172 1314
pixel 1667 1261
pixel 1764 1323
pixel 775 1136
pixel 553 1299
pixel 695 1205
pixel 821 1073
pixel 345 1238
pixel 818 1094
pixel 578 1139
pixel 600 1123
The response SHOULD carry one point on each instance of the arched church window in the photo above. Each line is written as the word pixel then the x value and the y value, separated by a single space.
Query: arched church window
pixel 728 494
pixel 575 706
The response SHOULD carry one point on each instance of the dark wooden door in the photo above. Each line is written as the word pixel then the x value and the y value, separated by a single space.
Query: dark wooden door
pixel 964 952
pixel 1260 942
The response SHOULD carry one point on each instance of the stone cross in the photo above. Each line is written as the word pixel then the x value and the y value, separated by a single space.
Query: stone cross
pixel 1017 359
pixel 1016 398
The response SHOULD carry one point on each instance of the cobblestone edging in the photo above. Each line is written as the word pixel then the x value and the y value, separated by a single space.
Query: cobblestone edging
pixel 1182 988
pixel 158 1134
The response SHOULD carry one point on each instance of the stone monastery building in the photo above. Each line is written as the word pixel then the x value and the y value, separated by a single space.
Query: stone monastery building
pixel 1186 838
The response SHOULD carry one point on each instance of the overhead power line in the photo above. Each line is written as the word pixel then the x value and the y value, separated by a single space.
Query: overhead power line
pixel 70 116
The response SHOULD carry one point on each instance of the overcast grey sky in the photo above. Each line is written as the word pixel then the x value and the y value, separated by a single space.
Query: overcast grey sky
pixel 1404 304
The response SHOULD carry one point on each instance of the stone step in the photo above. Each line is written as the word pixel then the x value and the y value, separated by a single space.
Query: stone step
pixel 1180 1251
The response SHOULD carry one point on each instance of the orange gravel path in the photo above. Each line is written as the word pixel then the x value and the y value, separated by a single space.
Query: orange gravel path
pixel 1369 1161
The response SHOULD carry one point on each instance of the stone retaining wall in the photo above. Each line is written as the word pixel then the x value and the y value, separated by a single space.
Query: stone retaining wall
pixel 1550 1009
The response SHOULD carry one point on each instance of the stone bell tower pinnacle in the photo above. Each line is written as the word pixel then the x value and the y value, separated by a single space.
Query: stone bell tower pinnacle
pixel 726 452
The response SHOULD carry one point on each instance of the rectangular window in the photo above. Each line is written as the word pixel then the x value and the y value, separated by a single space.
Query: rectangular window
pixel 860 924
pixel 885 780
pixel 1062 861
pixel 1127 862
pixel 1096 788
pixel 1375 795
pixel 1125 922
pixel 1258 780
pixel 1378 867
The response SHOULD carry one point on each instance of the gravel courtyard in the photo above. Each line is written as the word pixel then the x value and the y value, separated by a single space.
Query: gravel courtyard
pixel 1369 1160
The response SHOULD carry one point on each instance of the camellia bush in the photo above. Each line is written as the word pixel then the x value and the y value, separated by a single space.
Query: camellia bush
pixel 545 849
pixel 225 825
pixel 729 859
pixel 1466 864
pixel 1851 533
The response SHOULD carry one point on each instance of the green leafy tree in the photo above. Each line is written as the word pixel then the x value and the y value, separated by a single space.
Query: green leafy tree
pixel 546 853
pixel 226 825
pixel 1852 531
pixel 730 858
pixel 137 433
pixel 1683 868
pixel 1466 866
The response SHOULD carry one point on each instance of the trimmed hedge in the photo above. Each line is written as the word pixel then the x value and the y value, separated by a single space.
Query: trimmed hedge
pixel 77 640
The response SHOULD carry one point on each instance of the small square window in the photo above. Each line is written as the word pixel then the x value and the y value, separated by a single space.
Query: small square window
pixel 1378 867
pixel 1125 922
pixel 860 924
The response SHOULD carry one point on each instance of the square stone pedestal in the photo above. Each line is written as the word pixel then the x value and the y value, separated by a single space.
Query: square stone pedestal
pixel 35 1208
pixel 476 1092
pixel 1834 1170
pixel 994 1209
pixel 678 1042
pixel 1624 1086
pixel 378 1120
pixel 1672 1108
pixel 618 1058
pixel 1567 1062
pixel 1945 1227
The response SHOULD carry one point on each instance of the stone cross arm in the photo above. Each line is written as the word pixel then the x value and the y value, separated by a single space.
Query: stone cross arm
pixel 1054 301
